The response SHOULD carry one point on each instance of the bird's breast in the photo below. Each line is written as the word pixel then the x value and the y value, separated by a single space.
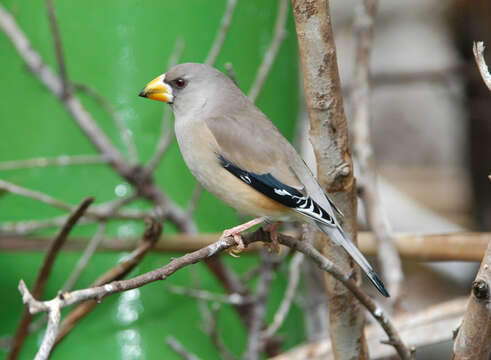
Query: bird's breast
pixel 201 154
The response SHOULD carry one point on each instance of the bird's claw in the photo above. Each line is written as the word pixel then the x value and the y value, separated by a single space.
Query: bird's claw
pixel 237 249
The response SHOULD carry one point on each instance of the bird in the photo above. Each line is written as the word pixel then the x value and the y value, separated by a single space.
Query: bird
pixel 237 154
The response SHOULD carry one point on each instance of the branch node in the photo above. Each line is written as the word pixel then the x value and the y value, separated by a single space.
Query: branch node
pixel 480 289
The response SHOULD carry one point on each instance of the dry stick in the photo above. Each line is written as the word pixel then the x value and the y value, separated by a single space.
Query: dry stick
pixel 66 89
pixel 478 50
pixel 255 341
pixel 124 132
pixel 42 277
pixel 286 302
pixel 270 55
pixel 151 235
pixel 212 330
pixel 180 350
pixel 473 340
pixel 136 175
pixel 63 160
pixel 460 246
pixel 167 132
pixel 222 33
pixel 363 151
pixel 67 86
pixel 100 292
pixel 329 138
pixel 231 299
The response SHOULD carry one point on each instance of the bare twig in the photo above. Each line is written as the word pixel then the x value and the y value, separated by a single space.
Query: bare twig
pixel 195 198
pixel 231 299
pixel 363 151
pixel 177 347
pixel 478 50
pixel 473 340
pixel 44 272
pixel 255 341
pixel 329 138
pixel 124 132
pixel 212 330
pixel 86 256
pixel 63 160
pixel 167 131
pixel 287 300
pixel 150 237
pixel 222 33
pixel 270 55
pixel 66 89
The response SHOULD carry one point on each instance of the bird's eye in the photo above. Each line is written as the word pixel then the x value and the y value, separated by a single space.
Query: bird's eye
pixel 180 83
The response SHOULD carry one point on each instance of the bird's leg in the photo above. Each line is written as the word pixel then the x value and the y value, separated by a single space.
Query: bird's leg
pixel 235 232
pixel 273 235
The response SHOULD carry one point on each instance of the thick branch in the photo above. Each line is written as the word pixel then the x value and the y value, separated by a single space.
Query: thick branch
pixel 329 137
pixel 478 50
pixel 473 340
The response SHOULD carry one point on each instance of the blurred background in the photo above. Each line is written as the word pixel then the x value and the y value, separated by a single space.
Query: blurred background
pixel 430 127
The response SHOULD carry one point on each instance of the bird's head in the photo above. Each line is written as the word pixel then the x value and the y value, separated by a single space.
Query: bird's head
pixel 186 85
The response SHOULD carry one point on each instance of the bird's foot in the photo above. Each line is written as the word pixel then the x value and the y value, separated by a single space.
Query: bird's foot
pixel 235 232
pixel 273 235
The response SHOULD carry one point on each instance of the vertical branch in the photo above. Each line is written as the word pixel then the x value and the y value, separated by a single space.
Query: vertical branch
pixel 478 50
pixel 363 151
pixel 267 63
pixel 222 33
pixel 329 137
pixel 44 272
pixel 473 341
pixel 60 59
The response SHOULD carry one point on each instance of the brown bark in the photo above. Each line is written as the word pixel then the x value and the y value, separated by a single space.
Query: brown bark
pixel 329 137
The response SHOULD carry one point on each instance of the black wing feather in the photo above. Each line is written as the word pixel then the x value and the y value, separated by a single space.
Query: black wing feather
pixel 268 185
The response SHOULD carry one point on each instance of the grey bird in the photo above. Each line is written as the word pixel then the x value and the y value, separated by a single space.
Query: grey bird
pixel 238 155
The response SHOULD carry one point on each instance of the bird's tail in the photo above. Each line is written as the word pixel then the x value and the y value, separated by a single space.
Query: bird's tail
pixel 339 237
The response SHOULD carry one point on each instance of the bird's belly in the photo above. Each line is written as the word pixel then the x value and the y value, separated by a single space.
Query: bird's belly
pixel 200 152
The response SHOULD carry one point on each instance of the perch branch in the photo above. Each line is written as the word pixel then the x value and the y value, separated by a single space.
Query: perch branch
pixel 270 55
pixel 42 277
pixel 100 292
pixel 478 50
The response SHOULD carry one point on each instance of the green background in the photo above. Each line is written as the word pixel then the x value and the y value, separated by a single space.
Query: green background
pixel 117 47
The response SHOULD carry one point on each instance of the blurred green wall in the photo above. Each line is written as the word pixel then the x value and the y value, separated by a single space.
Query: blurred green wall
pixel 117 47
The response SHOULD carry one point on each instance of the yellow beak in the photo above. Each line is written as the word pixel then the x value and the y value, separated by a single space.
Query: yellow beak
pixel 158 90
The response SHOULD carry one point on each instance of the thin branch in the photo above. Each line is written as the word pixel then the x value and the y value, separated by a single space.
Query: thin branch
pixel 231 299
pixel 284 308
pixel 212 330
pixel 195 198
pixel 270 55
pixel 124 132
pixel 63 160
pixel 255 341
pixel 100 292
pixel 478 50
pixel 66 89
pixel 167 131
pixel 180 350
pixel 44 272
pixel 85 258
pixel 222 33
pixel 363 151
